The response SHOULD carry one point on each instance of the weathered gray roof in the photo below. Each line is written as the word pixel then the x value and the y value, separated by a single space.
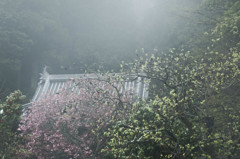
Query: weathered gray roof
pixel 53 83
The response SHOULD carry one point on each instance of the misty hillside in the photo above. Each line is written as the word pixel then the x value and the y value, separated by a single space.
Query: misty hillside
pixel 74 36
pixel 119 79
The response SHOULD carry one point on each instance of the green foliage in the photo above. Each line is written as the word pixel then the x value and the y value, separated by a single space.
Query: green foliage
pixel 186 116
pixel 10 112
pixel 193 110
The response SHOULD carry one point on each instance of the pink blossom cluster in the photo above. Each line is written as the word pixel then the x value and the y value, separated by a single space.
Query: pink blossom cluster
pixel 72 122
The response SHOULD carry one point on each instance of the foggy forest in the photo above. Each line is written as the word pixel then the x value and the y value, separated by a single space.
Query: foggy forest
pixel 134 79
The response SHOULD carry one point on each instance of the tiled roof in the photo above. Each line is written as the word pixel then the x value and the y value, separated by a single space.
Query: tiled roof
pixel 53 83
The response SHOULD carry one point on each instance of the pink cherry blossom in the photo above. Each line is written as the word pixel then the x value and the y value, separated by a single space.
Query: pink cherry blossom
pixel 72 122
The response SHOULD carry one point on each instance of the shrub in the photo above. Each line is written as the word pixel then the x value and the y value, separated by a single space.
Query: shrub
pixel 10 112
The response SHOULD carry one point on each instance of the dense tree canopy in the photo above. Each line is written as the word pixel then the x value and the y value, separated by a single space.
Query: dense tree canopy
pixel 189 115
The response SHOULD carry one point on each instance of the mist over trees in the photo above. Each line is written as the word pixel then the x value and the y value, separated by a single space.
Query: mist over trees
pixel 188 50
pixel 68 35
